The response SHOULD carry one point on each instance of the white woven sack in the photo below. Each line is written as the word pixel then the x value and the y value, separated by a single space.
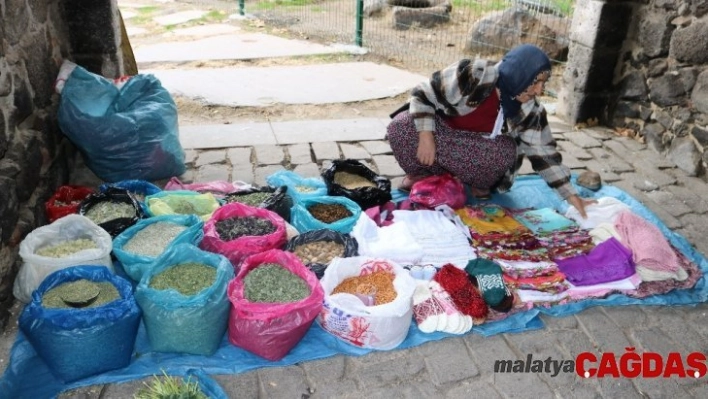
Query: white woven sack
pixel 345 316
pixel 71 227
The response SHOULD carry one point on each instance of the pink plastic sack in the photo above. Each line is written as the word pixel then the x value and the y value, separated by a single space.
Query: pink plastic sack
pixel 271 330
pixel 237 250
pixel 218 188
pixel 439 190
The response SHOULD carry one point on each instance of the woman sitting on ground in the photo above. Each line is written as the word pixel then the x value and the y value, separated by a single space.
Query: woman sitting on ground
pixel 455 123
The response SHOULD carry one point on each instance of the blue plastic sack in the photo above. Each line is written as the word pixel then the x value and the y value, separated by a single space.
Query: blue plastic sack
pixel 186 324
pixel 137 187
pixel 207 385
pixel 136 265
pixel 77 343
pixel 123 133
pixel 303 220
pixel 298 187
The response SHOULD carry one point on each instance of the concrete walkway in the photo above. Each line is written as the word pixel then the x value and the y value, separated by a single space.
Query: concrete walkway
pixel 462 367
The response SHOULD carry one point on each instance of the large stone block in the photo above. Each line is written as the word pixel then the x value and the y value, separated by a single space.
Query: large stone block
pixel 689 44
pixel 699 94
pixel 667 90
pixel 655 33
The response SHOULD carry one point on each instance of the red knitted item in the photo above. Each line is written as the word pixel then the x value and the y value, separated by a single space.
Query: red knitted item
pixel 465 296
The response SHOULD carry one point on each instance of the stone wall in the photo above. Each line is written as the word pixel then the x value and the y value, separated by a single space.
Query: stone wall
pixel 662 81
pixel 643 65
pixel 35 158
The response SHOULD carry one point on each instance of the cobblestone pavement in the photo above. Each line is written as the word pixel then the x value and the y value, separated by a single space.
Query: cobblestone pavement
pixel 462 367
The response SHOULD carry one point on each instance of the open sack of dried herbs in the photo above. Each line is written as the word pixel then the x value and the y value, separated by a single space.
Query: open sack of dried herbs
pixel 352 179
pixel 82 321
pixel 326 212
pixel 275 299
pixel 299 187
pixel 368 302
pixel 218 188
pixel 317 248
pixel 184 303
pixel 72 240
pixel 276 199
pixel 138 246
pixel 237 231
pixel 114 209
pixel 65 201
pixel 182 202
pixel 139 189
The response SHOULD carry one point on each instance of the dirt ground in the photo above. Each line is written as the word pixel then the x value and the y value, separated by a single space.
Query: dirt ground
pixel 274 22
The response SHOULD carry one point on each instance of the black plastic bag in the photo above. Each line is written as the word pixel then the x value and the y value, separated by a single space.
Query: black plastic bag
pixel 118 195
pixel 279 201
pixel 365 197
pixel 351 247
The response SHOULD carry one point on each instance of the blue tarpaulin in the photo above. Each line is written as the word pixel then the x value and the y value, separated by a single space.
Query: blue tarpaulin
pixel 27 376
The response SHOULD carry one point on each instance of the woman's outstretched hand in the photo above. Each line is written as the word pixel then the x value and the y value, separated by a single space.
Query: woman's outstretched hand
pixel 580 204
pixel 426 148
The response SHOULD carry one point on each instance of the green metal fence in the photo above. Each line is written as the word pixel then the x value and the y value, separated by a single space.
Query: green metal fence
pixel 423 35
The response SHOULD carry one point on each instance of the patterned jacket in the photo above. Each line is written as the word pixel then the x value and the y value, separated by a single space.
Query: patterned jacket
pixel 460 88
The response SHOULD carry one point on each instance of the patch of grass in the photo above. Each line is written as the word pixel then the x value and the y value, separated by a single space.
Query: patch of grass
pixel 481 5
pixel 144 15
pixel 166 387
pixel 273 4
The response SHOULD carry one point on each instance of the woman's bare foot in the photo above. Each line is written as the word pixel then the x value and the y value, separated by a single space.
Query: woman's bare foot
pixel 408 182
pixel 481 193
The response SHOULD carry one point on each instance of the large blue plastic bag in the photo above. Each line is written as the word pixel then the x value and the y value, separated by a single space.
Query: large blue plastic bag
pixel 127 132
pixel 303 220
pixel 77 343
pixel 299 187
pixel 186 324
pixel 134 264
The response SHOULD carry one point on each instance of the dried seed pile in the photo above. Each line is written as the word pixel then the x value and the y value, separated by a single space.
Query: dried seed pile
pixel 105 211
pixel 319 251
pixel 140 197
pixel 153 239
pixel 352 181
pixel 273 283
pixel 304 189
pixel 235 227
pixel 66 248
pixel 74 291
pixel 329 213
pixel 378 284
pixel 182 207
pixel 251 199
pixel 71 203
pixel 187 278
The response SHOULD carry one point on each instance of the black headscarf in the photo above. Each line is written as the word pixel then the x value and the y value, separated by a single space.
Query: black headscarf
pixel 517 71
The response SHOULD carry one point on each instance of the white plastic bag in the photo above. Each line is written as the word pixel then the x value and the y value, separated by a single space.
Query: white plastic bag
pixel 71 227
pixel 348 318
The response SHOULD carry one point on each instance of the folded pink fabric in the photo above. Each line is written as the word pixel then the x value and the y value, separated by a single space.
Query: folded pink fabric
pixel 649 246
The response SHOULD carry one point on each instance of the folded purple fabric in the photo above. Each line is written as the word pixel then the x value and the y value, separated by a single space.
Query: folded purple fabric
pixel 608 261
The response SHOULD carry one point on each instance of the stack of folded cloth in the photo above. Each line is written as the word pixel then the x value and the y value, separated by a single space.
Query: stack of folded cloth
pixel 561 236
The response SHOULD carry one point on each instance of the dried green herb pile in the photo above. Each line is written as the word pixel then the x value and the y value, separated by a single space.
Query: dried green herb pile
pixel 329 213
pixel 153 239
pixel 319 251
pixel 106 211
pixel 187 278
pixel 182 207
pixel 66 248
pixel 304 189
pixel 235 227
pixel 271 282
pixel 78 292
pixel 352 181
pixel 251 199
